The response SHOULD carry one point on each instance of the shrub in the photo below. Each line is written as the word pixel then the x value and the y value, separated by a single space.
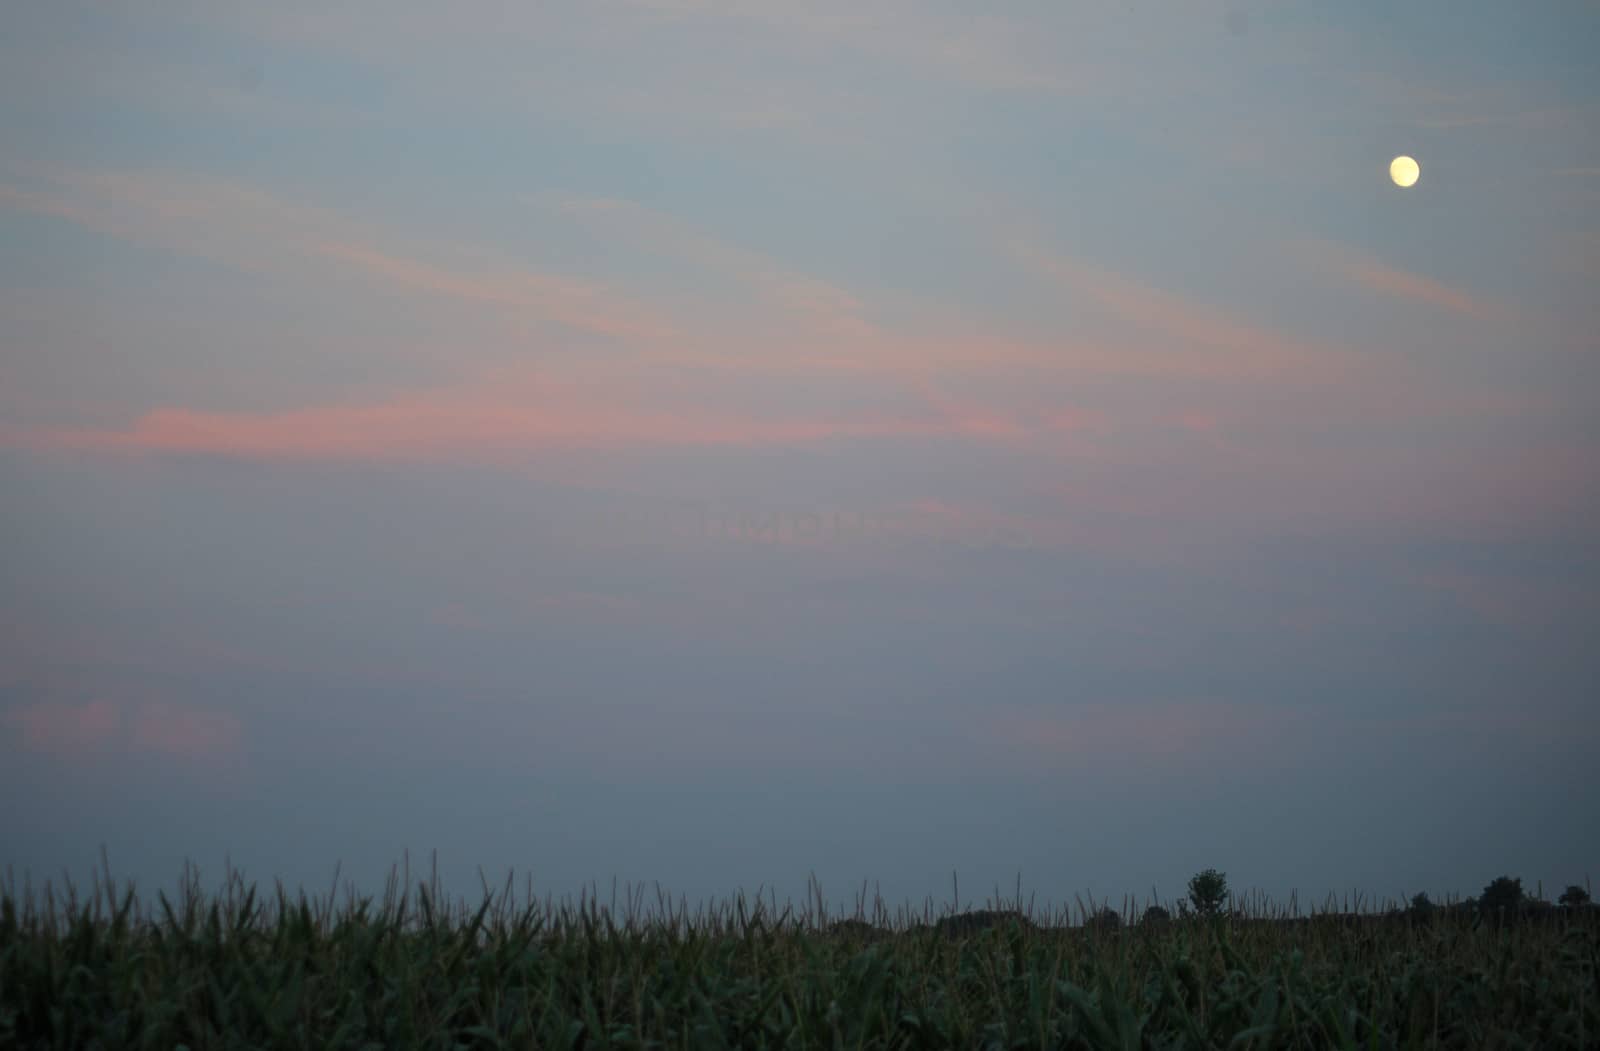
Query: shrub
pixel 854 928
pixel 1574 896
pixel 1207 891
pixel 1503 895
pixel 963 924
pixel 1155 916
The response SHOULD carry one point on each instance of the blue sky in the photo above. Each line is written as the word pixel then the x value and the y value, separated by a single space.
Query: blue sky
pixel 715 443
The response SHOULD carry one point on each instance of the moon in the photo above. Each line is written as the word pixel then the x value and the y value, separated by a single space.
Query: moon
pixel 1404 171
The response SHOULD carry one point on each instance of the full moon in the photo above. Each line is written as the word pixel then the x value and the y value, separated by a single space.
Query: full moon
pixel 1404 171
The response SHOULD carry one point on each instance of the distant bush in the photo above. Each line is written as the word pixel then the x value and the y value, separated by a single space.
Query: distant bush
pixel 1155 916
pixel 1502 897
pixel 1538 909
pixel 1574 896
pixel 1422 906
pixel 1107 919
pixel 1208 891
pixel 854 928
pixel 963 924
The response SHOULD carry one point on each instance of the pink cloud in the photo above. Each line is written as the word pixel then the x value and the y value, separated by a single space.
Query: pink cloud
pixel 809 327
pixel 963 415
pixel 1187 734
pixel 667 235
pixel 565 301
pixel 39 203
pixel 836 334
pixel 1196 339
pixel 63 729
pixel 1396 283
pixel 187 733
pixel 508 414
pixel 827 328
pixel 1414 287
pixel 246 227
pixel 75 731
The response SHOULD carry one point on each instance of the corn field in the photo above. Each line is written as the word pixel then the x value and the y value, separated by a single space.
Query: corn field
pixel 237 969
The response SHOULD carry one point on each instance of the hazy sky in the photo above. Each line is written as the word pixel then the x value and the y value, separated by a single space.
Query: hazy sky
pixel 715 442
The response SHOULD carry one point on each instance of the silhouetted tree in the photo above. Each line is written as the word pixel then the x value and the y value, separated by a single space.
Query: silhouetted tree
pixel 1107 919
pixel 1421 906
pixel 1155 916
pixel 1502 896
pixel 1574 896
pixel 1207 891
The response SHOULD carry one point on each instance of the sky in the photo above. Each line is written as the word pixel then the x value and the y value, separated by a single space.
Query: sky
pixel 716 445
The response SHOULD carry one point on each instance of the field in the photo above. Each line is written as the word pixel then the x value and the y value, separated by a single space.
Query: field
pixel 241 969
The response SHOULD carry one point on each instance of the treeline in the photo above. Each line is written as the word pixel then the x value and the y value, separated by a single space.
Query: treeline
pixel 1503 900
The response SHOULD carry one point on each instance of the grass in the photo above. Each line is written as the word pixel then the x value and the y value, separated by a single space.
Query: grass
pixel 236 969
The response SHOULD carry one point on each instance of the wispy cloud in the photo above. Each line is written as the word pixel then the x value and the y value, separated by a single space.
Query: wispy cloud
pixel 1152 737
pixel 1402 284
pixel 829 309
pixel 64 729
pixel 809 324
pixel 76 731
pixel 790 323
pixel 1190 337
pixel 1399 284
pixel 476 421
pixel 185 733
pixel 244 226
pixel 549 297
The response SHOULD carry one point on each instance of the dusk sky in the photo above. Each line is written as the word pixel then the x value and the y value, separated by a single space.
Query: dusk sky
pixel 712 443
